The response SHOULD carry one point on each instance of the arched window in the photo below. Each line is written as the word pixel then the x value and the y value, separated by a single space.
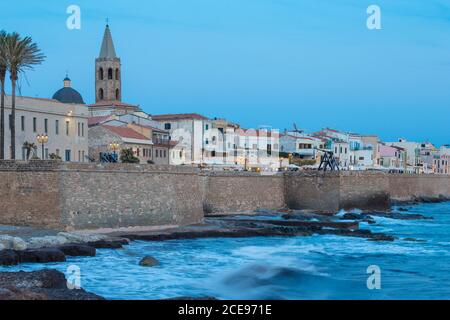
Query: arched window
pixel 110 73
pixel 100 94
pixel 100 73
pixel 117 74
pixel 117 94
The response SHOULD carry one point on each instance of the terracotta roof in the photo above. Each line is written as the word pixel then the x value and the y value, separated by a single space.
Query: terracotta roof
pixel 125 132
pixel 92 121
pixel 150 127
pixel 176 116
pixel 112 104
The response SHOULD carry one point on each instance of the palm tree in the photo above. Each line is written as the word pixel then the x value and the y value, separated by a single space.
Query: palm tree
pixel 29 147
pixel 21 54
pixel 3 66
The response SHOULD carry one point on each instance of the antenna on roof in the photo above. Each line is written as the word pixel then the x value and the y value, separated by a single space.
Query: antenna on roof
pixel 296 129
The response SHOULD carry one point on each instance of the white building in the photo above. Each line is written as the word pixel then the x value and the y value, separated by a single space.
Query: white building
pixel 65 124
pixel 189 130
pixel 301 145
pixel 343 155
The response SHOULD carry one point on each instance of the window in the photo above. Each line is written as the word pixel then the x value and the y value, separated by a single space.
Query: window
pixel 157 153
pixel 34 124
pixel 46 153
pixel 117 74
pixel 67 128
pixel 165 154
pixel 24 153
pixel 110 73
pixel 79 155
pixel 57 152
pixel 56 127
pixel 82 129
pixel 206 126
pixel 167 126
pixel 67 155
pixel 117 94
pixel 100 94
pixel 79 129
pixel 361 158
pixel 82 156
pixel 100 73
pixel 46 125
pixel 213 153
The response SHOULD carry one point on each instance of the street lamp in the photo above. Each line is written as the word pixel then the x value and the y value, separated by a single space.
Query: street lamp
pixel 114 146
pixel 42 139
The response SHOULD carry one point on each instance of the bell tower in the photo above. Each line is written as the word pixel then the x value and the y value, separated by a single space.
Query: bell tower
pixel 108 73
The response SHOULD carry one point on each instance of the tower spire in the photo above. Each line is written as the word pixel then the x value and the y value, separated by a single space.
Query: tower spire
pixel 107 50
pixel 108 86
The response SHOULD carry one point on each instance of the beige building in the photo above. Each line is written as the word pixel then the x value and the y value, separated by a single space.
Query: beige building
pixel 65 124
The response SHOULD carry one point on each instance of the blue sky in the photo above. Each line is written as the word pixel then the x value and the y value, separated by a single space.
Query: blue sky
pixel 258 62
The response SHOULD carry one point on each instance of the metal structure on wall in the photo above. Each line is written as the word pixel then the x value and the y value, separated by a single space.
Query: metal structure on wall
pixel 328 160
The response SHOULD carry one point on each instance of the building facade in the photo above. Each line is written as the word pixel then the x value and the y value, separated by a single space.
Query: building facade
pixel 65 125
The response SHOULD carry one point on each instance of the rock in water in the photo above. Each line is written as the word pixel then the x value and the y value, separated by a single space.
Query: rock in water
pixel 41 255
pixel 77 250
pixel 8 258
pixel 20 294
pixel 148 261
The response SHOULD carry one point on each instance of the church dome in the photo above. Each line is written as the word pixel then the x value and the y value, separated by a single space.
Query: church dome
pixel 68 94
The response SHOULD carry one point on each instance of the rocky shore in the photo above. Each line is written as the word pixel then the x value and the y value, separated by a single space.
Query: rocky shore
pixel 51 284
pixel 15 250
pixel 40 285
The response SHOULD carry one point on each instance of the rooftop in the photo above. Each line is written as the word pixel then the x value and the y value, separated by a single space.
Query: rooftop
pixel 179 116
pixel 125 132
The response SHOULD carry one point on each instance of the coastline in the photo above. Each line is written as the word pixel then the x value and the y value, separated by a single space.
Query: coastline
pixel 262 223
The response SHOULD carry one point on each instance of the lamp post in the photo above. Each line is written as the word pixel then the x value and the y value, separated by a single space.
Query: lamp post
pixel 114 146
pixel 42 139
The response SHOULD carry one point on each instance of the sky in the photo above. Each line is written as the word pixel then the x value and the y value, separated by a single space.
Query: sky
pixel 257 62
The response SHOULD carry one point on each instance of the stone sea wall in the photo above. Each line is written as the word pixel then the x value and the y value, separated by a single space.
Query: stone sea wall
pixel 88 196
pixel 242 191
pixel 30 193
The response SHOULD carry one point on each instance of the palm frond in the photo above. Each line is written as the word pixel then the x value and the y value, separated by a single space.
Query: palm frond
pixel 21 54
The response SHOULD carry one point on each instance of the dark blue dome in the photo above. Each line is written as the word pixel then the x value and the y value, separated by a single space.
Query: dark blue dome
pixel 68 94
